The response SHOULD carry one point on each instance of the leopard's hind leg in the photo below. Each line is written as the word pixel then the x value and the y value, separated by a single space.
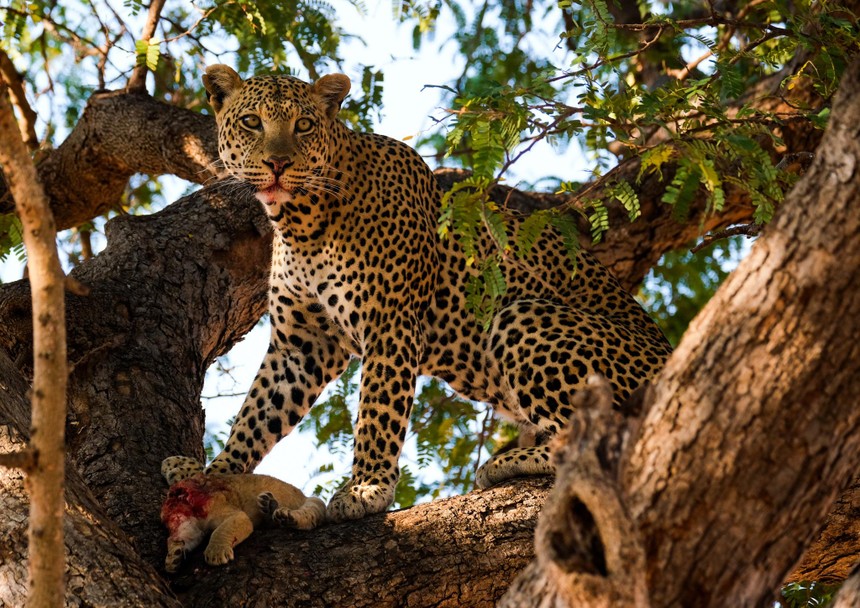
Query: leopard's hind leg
pixel 541 353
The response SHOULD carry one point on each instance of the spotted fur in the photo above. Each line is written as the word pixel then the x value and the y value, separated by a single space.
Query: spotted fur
pixel 358 269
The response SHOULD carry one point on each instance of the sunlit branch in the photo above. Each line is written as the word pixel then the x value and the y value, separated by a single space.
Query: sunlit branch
pixel 27 122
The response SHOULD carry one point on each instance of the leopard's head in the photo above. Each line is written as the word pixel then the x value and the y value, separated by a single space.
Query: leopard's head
pixel 276 133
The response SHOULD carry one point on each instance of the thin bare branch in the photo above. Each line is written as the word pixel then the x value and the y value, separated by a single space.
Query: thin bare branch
pixel 24 460
pixel 50 375
pixel 15 82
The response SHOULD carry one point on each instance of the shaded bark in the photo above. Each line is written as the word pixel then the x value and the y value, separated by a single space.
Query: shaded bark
pixel 103 570
pixel 837 549
pixel 849 593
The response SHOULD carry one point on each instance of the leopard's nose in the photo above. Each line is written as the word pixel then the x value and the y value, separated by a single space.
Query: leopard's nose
pixel 278 163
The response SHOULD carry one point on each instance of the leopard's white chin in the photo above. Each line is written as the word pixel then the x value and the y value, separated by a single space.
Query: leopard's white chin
pixel 273 195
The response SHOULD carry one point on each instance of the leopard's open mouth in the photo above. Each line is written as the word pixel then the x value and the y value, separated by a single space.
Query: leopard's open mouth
pixel 273 194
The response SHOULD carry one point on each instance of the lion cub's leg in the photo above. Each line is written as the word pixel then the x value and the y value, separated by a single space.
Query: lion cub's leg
pixel 235 528
pixel 307 516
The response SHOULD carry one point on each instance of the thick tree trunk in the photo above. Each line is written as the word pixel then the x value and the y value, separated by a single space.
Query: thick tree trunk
pixel 752 429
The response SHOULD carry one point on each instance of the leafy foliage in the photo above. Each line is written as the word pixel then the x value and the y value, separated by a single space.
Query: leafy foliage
pixel 679 286
pixel 11 238
pixel 688 119
pixel 806 594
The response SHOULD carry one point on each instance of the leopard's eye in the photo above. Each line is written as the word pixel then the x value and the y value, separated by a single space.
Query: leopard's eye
pixel 303 125
pixel 251 121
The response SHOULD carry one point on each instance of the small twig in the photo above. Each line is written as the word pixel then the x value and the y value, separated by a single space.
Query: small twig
pixel 74 286
pixel 600 62
pixel 205 15
pixel 749 230
pixel 24 459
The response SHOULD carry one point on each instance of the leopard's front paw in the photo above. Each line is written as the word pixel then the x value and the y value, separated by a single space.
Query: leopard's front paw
pixel 217 554
pixel 355 500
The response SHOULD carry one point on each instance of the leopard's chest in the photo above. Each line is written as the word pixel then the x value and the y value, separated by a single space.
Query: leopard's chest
pixel 326 282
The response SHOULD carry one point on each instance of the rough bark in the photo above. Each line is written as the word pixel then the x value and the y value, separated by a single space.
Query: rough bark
pixel 103 570
pixel 837 549
pixel 170 292
pixel 463 551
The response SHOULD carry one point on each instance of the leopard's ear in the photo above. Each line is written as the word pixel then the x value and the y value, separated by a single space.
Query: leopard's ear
pixel 331 90
pixel 221 81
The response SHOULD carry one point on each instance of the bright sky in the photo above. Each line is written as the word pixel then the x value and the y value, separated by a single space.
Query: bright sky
pixel 407 107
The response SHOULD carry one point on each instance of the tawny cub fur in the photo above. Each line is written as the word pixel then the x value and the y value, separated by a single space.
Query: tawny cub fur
pixel 228 506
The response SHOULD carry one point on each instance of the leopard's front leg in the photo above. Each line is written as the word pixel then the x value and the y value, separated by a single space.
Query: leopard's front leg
pixel 387 389
pixel 300 361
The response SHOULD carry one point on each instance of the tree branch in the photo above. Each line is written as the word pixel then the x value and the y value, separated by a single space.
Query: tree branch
pixel 137 81
pixel 15 82
pixel 46 479
pixel 119 135
pixel 413 557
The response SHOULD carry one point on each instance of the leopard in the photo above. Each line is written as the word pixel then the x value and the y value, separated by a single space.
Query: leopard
pixel 359 269
pixel 230 507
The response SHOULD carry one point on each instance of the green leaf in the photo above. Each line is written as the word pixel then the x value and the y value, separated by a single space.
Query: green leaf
pixel 731 81
pixel 147 53
pixel 496 225
pixel 683 188
pixel 566 226
pixel 529 232
pixel 653 160
pixel 625 194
